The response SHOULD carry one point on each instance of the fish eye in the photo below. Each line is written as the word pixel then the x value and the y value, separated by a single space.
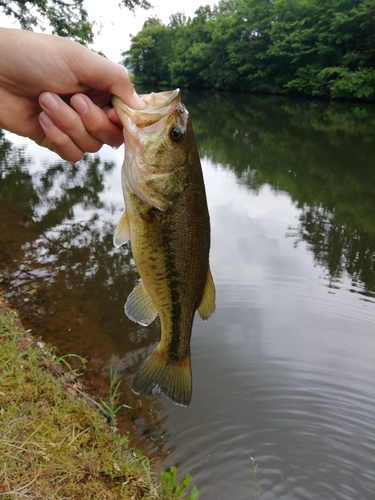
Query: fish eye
pixel 176 134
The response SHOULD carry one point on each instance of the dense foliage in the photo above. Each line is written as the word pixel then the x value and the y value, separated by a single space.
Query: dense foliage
pixel 68 18
pixel 308 47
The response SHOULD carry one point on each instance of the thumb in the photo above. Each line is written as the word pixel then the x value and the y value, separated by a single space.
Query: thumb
pixel 123 88
pixel 97 72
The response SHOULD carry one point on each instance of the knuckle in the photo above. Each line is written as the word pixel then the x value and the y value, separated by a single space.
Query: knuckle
pixel 94 125
pixel 94 148
pixel 74 157
pixel 62 142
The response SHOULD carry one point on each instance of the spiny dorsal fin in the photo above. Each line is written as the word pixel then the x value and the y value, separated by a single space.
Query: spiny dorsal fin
pixel 122 231
pixel 139 307
pixel 207 305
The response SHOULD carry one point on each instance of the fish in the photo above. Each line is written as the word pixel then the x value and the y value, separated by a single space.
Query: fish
pixel 167 222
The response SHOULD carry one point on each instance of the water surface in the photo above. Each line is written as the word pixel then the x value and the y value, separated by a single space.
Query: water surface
pixel 283 373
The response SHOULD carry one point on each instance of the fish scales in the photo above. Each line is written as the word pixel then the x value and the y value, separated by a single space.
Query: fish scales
pixel 169 231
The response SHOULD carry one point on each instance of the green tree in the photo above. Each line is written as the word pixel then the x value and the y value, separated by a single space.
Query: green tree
pixel 150 53
pixel 240 42
pixel 192 54
pixel 351 31
pixel 68 18
pixel 325 47
pixel 322 48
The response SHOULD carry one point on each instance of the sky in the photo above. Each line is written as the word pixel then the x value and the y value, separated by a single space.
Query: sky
pixel 119 23
pixel 114 25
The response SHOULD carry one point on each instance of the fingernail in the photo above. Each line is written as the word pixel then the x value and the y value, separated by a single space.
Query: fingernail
pixel 49 101
pixel 46 120
pixel 139 104
pixel 79 104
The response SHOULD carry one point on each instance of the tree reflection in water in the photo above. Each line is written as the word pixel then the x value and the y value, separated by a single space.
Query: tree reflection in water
pixel 56 239
pixel 320 153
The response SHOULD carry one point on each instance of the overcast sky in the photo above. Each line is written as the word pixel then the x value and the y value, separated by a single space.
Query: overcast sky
pixel 118 23
pixel 114 25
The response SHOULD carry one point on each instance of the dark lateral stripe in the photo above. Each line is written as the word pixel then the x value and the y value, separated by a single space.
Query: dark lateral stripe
pixel 173 276
pixel 176 334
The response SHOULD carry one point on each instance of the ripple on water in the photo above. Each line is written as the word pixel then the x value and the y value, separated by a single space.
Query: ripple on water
pixel 308 425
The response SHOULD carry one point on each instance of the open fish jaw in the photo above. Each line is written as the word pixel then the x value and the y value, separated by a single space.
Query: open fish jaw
pixel 158 105
pixel 154 168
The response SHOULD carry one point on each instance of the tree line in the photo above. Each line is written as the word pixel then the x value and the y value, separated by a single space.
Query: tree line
pixel 322 48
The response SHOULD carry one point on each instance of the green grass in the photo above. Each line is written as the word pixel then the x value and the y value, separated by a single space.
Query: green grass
pixel 53 444
pixel 255 468
pixel 111 408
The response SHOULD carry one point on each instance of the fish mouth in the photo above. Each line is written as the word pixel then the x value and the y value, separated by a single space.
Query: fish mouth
pixel 152 182
pixel 159 104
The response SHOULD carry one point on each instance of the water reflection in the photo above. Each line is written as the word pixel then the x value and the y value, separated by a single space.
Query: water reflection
pixel 320 153
pixel 324 156
pixel 284 370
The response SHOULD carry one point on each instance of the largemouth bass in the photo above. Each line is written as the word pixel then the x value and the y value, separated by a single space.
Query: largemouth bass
pixel 167 222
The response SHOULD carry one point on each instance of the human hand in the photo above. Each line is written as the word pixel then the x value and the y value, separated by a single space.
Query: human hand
pixel 57 92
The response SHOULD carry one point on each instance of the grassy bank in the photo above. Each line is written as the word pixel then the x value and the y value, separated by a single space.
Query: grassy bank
pixel 53 443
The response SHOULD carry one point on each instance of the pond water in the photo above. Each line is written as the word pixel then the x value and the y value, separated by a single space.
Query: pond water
pixel 283 400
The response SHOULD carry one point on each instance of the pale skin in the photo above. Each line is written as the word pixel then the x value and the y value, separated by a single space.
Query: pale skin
pixel 57 92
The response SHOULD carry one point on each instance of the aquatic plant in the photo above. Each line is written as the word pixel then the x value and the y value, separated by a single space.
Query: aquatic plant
pixel 111 408
pixel 255 468
pixel 171 488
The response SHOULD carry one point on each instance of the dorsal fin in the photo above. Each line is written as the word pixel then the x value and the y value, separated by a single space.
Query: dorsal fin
pixel 207 305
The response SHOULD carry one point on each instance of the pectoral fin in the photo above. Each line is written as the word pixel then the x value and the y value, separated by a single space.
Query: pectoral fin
pixel 122 232
pixel 207 305
pixel 139 307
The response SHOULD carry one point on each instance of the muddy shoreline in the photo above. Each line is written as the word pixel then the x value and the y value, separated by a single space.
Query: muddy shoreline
pixel 24 293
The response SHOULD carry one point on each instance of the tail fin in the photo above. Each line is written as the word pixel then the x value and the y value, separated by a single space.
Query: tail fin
pixel 157 374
